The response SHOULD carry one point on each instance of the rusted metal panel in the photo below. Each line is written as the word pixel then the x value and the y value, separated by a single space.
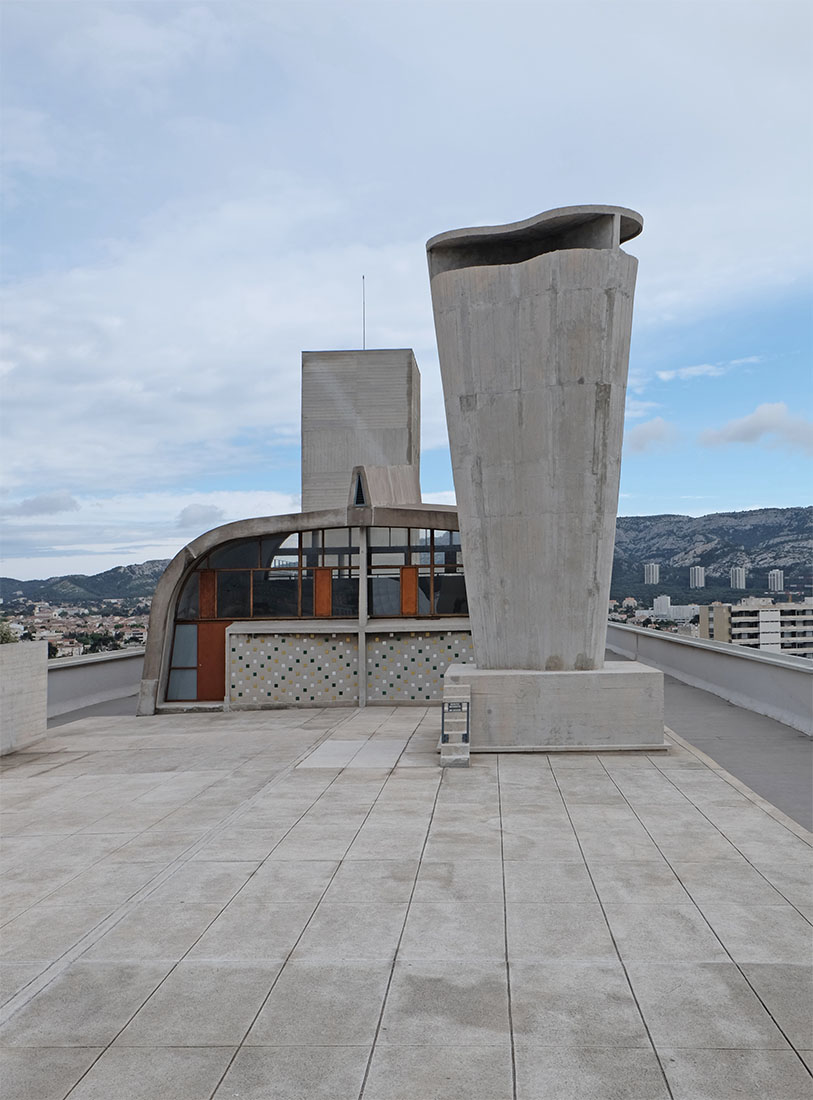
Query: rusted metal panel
pixel 409 590
pixel 323 592
pixel 208 594
pixel 212 661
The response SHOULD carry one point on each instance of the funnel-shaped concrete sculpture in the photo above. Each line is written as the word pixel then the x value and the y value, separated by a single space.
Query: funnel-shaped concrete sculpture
pixel 533 324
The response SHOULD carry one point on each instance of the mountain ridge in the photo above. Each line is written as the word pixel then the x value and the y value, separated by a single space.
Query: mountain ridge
pixel 760 539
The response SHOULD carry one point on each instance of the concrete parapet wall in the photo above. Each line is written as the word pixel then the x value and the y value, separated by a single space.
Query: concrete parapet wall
pixel 777 686
pixel 23 680
pixel 76 682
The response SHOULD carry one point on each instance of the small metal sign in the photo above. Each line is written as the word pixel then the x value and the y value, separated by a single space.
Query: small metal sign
pixel 458 712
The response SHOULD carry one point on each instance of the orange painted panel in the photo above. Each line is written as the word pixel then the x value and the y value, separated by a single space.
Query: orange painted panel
pixel 323 592
pixel 212 660
pixel 208 594
pixel 409 590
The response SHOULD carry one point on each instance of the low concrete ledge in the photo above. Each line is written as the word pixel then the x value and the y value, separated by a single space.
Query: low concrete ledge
pixel 615 708
pixel 23 678
pixel 76 682
pixel 773 684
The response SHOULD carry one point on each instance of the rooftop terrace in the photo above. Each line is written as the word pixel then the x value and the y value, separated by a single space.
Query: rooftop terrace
pixel 301 904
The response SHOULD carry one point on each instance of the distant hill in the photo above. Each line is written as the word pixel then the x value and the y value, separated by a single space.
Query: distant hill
pixel 124 580
pixel 762 539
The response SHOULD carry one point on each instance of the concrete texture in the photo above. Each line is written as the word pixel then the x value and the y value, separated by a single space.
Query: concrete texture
pixel 303 904
pixel 78 682
pixel 619 706
pixel 23 694
pixel 533 325
pixel 774 684
pixel 358 408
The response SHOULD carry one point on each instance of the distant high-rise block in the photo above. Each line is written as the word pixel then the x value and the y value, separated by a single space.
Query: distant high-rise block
pixel 662 605
pixel 776 580
pixel 652 573
pixel 697 577
pixel 737 577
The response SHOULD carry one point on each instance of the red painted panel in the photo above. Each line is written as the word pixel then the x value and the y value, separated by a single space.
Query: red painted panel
pixel 323 592
pixel 208 594
pixel 409 590
pixel 212 660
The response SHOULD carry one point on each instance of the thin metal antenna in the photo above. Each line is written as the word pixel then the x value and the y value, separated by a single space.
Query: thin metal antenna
pixel 363 315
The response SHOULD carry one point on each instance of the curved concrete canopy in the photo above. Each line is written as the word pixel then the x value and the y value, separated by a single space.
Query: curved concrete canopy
pixel 551 231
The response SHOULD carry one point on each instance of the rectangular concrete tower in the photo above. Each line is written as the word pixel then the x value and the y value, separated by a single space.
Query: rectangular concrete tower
pixel 358 408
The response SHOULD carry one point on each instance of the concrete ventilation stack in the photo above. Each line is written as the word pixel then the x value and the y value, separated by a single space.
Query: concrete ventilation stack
pixel 533 324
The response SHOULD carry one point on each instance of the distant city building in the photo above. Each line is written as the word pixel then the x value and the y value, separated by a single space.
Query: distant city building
pixel 697 577
pixel 761 624
pixel 652 573
pixel 737 577
pixel 662 605
pixel 776 580
pixel 629 601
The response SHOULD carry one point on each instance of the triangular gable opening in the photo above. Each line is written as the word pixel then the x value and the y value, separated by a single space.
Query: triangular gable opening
pixel 359 499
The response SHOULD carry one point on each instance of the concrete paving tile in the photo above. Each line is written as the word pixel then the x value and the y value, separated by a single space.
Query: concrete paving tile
pixel 446 1003
pixel 144 1073
pixel 155 845
pixel 313 841
pixel 567 1005
pixel 46 933
pixel 86 1005
pixel 454 930
pixel 558 932
pixel 345 932
pixel 315 1002
pixel 459 880
pixel 807 1058
pixel 295 1073
pixel 663 933
pixel 587 1074
pixel 202 1004
pixel 626 844
pixel 787 992
pixel 726 881
pixel 793 879
pixel 736 1075
pixel 547 882
pixel 253 930
pixel 153 930
pixel 199 881
pixel 638 881
pixel 440 1072
pixel 43 1074
pixel 559 846
pixel 762 933
pixel 106 883
pixel 389 841
pixel 16 975
pixel 450 844
pixel 387 881
pixel 707 1005
pixel 289 881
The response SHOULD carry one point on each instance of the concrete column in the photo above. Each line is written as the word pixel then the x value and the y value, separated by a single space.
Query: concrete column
pixel 533 325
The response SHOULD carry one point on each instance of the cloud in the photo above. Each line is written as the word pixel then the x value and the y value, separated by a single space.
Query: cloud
pixel 706 370
pixel 773 423
pixel 45 505
pixel 703 370
pixel 636 409
pixel 651 435
pixel 200 517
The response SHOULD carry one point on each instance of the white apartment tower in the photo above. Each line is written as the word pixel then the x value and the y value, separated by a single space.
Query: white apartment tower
pixel 737 577
pixel 652 573
pixel 776 580
pixel 697 577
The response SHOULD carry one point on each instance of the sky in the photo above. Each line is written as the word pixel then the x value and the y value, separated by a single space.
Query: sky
pixel 193 191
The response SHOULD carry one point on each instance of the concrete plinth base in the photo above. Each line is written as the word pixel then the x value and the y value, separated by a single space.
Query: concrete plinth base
pixel 617 707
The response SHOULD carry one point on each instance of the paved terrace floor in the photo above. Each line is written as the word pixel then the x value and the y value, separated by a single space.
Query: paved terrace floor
pixel 300 904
